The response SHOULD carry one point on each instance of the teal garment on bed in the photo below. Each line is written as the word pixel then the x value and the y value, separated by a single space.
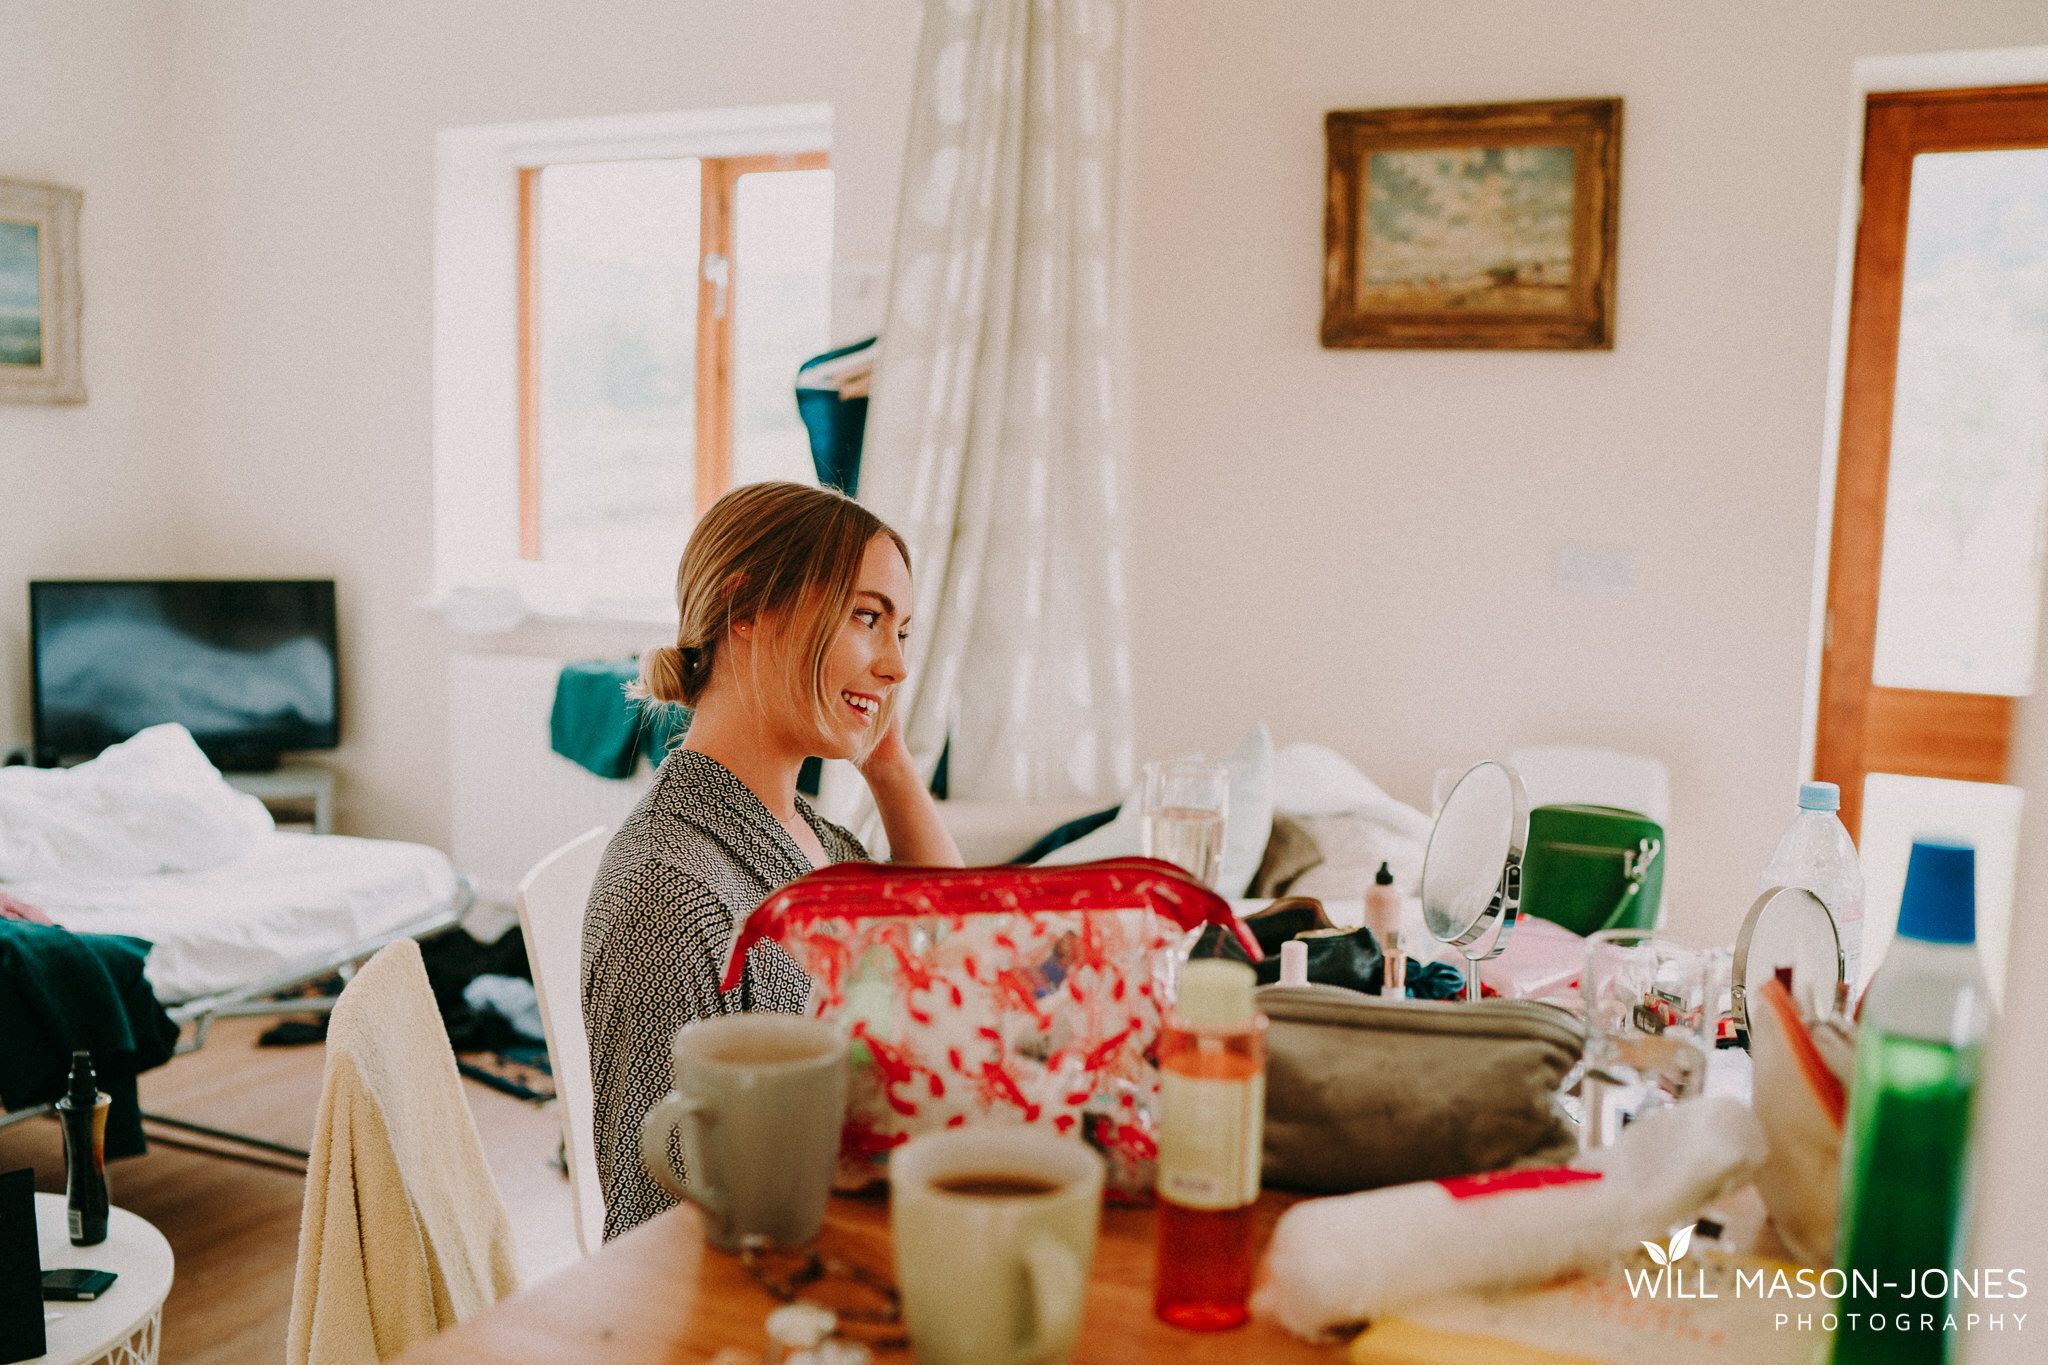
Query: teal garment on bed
pixel 597 726
pixel 62 992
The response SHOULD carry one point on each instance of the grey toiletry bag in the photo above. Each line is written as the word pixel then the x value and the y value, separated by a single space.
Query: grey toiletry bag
pixel 1363 1092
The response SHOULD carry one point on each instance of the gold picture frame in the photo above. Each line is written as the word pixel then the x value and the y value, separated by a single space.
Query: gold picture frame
pixel 1472 226
pixel 40 297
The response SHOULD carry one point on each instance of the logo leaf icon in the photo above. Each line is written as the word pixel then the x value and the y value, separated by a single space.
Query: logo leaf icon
pixel 1680 1240
pixel 1656 1253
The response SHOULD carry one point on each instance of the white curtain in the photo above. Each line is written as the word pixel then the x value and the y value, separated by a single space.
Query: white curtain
pixel 993 440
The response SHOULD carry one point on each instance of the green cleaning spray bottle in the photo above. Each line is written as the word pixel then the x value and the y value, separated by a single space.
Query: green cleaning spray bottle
pixel 1906 1146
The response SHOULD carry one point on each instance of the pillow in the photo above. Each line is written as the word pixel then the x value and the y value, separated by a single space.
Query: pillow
pixel 1353 847
pixel 1290 851
pixel 1246 826
pixel 1309 779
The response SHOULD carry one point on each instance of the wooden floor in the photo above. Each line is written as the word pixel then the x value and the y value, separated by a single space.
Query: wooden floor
pixel 235 1227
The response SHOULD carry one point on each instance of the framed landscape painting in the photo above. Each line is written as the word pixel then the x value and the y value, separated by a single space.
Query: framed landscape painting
pixel 39 294
pixel 1486 226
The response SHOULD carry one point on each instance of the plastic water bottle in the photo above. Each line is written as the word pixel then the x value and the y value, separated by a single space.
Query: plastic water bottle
pixel 1817 853
pixel 1905 1153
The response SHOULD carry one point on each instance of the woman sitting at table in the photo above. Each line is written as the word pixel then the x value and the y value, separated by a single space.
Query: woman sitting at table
pixel 794 603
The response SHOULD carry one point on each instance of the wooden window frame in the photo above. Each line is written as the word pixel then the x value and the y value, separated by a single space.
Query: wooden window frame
pixel 1864 728
pixel 717 289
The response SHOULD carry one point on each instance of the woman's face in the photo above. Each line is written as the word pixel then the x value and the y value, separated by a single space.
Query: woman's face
pixel 865 662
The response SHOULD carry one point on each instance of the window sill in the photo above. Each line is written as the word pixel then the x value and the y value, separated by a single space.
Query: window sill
pixel 498 609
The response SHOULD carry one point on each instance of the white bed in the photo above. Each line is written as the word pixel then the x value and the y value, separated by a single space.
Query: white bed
pixel 291 906
pixel 147 840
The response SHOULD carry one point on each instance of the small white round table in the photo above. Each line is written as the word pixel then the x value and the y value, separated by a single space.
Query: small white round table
pixel 121 1326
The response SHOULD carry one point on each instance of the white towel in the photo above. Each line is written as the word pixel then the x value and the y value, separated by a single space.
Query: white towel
pixel 404 1232
pixel 1347 1260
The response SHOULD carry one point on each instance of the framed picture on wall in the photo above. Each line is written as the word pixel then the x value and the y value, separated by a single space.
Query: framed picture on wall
pixel 1481 226
pixel 39 294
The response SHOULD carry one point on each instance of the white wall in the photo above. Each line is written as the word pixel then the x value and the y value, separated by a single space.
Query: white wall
pixel 1354 546
pixel 305 134
pixel 1357 546
pixel 89 489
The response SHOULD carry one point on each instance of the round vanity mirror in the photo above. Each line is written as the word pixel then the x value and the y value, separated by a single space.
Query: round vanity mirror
pixel 1787 927
pixel 1472 871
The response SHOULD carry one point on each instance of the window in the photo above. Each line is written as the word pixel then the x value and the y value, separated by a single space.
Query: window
pixel 621 308
pixel 665 307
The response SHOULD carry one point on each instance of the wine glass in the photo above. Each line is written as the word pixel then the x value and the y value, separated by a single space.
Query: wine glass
pixel 1182 805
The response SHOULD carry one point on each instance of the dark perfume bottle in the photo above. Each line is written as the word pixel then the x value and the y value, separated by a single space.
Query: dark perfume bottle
pixel 84 1111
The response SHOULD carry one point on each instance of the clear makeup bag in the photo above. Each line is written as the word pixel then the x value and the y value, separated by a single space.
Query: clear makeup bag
pixel 992 995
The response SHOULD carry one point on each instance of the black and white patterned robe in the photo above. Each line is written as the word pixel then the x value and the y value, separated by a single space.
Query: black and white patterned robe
pixel 697 854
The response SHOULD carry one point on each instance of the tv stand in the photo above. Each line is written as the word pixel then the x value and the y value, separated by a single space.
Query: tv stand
pixel 293 786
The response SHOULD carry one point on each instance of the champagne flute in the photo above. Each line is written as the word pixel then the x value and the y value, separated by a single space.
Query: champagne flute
pixel 1182 805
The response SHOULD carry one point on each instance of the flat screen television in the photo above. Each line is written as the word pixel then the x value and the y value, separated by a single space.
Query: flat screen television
pixel 250 668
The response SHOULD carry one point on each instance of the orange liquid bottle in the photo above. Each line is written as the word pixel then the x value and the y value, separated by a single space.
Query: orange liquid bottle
pixel 1212 1108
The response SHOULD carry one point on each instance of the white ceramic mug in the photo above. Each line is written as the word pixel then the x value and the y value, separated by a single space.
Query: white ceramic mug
pixel 994 1229
pixel 759 1100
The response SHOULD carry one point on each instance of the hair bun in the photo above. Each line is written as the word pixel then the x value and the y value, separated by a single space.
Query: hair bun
pixel 662 673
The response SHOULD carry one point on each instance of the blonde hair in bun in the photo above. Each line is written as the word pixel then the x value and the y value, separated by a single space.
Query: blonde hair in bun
pixel 661 674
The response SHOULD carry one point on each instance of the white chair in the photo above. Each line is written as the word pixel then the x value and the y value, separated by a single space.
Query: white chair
pixel 1564 774
pixel 551 901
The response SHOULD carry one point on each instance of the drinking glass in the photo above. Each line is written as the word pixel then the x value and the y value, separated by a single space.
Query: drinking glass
pixel 1649 1027
pixel 1181 807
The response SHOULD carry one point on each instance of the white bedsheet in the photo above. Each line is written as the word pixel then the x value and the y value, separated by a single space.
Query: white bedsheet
pixel 291 898
pixel 152 803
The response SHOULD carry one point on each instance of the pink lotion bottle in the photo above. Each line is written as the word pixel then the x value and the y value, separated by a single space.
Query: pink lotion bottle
pixel 1383 917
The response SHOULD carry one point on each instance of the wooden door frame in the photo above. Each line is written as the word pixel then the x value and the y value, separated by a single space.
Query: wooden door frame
pixel 716 240
pixel 1861 728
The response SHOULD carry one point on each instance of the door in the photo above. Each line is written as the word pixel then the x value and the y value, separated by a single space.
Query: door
pixel 1934 590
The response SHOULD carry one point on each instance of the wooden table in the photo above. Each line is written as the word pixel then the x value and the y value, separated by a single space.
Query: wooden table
pixel 661 1294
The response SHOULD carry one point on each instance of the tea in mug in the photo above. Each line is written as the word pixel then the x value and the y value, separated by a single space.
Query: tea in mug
pixel 996 1186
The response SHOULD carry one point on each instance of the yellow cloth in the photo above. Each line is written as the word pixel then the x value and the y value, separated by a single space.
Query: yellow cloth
pixel 404 1231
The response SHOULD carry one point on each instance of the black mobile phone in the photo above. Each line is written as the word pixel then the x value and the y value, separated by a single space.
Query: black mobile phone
pixel 75 1285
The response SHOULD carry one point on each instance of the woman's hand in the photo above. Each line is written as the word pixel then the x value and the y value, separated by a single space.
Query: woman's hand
pixel 909 815
pixel 890 759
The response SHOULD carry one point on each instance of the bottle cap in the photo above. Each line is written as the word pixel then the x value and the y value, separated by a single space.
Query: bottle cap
pixel 1216 992
pixel 1819 796
pixel 1940 904
pixel 1384 877
pixel 1294 963
pixel 84 1085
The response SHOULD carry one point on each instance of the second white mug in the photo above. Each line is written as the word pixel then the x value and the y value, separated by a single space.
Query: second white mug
pixel 994 1230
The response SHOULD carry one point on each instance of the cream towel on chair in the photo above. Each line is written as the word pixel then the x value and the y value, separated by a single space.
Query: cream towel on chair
pixel 404 1232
